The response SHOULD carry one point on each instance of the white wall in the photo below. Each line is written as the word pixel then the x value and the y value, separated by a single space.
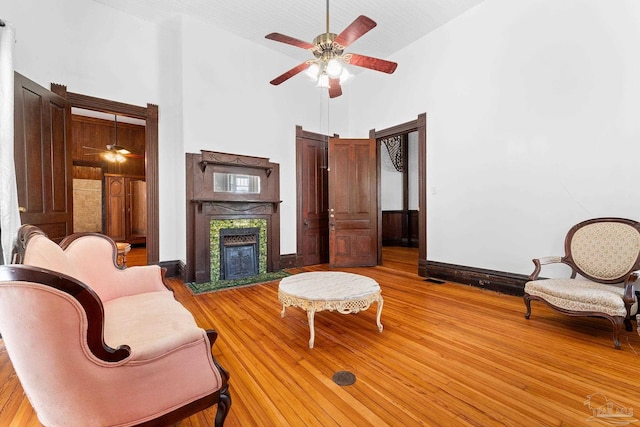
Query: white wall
pixel 532 124
pixel 532 111
pixel 90 48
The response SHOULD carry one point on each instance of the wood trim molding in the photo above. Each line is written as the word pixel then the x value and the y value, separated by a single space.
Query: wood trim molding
pixel 152 178
pixel 500 281
pixel 290 261
pixel 105 105
pixel 175 268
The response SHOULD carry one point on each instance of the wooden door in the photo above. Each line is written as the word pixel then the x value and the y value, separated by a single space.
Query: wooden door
pixel 42 157
pixel 115 207
pixel 312 192
pixel 137 211
pixel 353 203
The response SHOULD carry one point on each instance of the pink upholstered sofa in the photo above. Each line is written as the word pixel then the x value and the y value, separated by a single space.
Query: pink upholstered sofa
pixel 95 344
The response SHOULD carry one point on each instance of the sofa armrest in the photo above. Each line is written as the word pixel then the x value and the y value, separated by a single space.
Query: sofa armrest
pixel 23 275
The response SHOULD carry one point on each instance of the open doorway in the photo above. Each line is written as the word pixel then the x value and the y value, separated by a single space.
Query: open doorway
pixel 412 218
pixel 109 187
pixel 132 119
pixel 399 190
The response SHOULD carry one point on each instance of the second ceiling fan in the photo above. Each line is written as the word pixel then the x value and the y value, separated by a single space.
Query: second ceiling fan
pixel 328 48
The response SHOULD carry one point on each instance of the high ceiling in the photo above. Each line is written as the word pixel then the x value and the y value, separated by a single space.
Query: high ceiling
pixel 400 22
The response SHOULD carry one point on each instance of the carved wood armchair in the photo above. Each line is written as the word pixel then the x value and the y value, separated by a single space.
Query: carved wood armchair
pixel 95 344
pixel 603 254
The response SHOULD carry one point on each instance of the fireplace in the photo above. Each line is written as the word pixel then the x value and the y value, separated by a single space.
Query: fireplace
pixel 239 253
pixel 233 223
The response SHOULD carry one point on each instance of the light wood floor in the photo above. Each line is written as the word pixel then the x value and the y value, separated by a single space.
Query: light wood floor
pixel 449 355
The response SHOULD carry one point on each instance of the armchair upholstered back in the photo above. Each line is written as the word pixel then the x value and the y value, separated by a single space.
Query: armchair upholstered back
pixel 605 251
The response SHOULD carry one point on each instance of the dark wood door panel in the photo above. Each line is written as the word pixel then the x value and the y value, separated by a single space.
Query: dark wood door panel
pixel 353 206
pixel 312 190
pixel 59 159
pixel 42 158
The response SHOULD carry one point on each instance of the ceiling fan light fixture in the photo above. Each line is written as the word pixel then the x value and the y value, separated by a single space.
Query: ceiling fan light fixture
pixel 118 149
pixel 313 71
pixel 334 68
pixel 323 81
pixel 345 76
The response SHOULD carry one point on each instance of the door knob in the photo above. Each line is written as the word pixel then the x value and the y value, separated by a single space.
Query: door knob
pixel 22 209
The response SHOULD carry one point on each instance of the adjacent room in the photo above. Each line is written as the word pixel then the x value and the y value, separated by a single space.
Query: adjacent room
pixel 319 213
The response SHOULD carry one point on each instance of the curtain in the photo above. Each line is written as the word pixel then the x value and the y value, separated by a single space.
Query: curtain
pixel 9 213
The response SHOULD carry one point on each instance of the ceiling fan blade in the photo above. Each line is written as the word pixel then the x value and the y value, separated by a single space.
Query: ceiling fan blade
pixel 292 72
pixel 289 40
pixel 369 62
pixel 134 156
pixel 93 148
pixel 355 30
pixel 335 89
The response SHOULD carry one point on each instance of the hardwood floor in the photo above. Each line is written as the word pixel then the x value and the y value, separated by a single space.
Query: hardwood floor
pixel 449 355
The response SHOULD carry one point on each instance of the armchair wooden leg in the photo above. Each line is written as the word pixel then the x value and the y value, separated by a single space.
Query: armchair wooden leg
pixel 618 322
pixel 527 303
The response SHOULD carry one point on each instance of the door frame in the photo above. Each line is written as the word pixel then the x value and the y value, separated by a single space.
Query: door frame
pixel 419 125
pixel 150 115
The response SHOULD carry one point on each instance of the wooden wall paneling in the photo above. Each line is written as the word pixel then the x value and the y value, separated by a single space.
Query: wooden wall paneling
pixel 392 228
pixel 97 134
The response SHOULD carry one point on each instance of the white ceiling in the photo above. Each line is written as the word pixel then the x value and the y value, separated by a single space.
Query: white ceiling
pixel 400 22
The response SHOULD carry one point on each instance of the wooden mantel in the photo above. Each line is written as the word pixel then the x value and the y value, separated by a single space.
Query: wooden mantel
pixel 204 204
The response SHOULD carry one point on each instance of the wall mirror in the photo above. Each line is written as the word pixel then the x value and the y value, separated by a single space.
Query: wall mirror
pixel 236 183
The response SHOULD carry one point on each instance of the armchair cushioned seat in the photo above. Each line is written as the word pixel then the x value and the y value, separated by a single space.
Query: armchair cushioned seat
pixel 584 295
pixel 605 254
pixel 98 344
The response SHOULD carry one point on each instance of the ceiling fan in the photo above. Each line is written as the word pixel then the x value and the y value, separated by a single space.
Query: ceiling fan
pixel 328 48
pixel 114 152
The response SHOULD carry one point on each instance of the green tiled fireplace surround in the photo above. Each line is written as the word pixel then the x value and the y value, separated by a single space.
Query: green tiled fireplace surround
pixel 216 225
